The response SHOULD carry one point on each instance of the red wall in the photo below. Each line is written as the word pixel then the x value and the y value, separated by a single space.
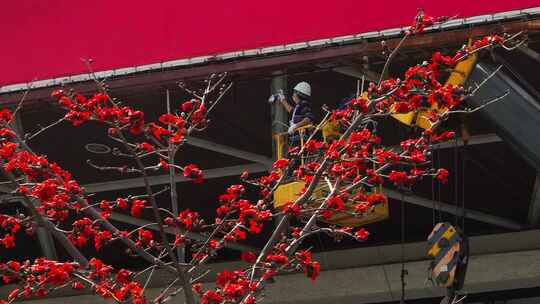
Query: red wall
pixel 45 39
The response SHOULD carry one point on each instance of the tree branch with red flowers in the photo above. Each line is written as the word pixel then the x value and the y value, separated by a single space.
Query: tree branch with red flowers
pixel 341 176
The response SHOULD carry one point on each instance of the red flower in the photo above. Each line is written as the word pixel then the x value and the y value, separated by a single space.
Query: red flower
pixel 145 236
pixel 123 276
pixel 169 221
pixel 240 234
pixel 398 178
pixel 213 244
pixel 210 297
pixel 163 164
pixel 101 237
pixel 361 207
pixel 197 287
pixel 198 115
pixel 225 277
pixel 373 177
pixel 157 131
pixel 7 150
pixel 417 172
pixel 78 118
pixel 291 208
pixel 193 172
pixel 79 241
pixel 5 115
pixel 255 227
pixel 13 294
pixel 5 132
pixel 281 163
pixel 446 135
pixel 136 207
pixel 146 147
pixel 327 214
pixel 312 145
pixel 313 270
pixel 277 258
pixel 168 119
pixel 422 21
pixel 178 240
pixel 221 211
pixel 236 190
pixel 362 234
pixel 359 104
pixel 8 241
pixel 336 202
pixel 187 218
pixel 106 209
pixel 248 257
pixel 417 156
pixel 250 300
pixel 178 136
pixel 402 107
pixel 121 203
pixel 442 175
pixel 376 198
pixel 57 93
pixel 188 105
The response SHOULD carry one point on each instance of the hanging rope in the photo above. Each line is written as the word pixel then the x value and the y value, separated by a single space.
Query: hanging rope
pixel 403 270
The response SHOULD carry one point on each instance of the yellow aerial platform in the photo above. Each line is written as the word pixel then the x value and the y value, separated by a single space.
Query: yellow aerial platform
pixel 458 76
pixel 289 192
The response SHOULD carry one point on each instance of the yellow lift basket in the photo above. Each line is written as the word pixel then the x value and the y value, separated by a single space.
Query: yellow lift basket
pixel 289 192
pixel 458 76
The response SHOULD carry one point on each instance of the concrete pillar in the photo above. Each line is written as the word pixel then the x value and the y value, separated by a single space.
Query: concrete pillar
pixel 279 116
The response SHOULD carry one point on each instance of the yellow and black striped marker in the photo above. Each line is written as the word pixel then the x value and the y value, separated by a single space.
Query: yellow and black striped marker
pixel 445 246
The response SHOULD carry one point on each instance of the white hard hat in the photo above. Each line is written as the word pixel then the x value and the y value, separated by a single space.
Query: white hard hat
pixel 304 88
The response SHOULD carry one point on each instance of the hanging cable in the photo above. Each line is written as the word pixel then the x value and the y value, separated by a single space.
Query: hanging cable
pixel 403 270
pixel 463 165
pixel 439 186
pixel 434 207
pixel 456 181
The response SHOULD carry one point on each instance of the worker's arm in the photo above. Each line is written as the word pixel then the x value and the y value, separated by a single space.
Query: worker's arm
pixel 301 123
pixel 304 122
pixel 286 105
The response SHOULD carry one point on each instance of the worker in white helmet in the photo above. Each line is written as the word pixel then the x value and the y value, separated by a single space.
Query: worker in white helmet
pixel 301 112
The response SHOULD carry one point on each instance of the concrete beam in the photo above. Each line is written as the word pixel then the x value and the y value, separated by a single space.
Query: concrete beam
pixel 530 52
pixel 534 207
pixel 357 73
pixel 212 146
pixel 474 140
pixel 372 275
pixel 138 182
pixel 452 209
